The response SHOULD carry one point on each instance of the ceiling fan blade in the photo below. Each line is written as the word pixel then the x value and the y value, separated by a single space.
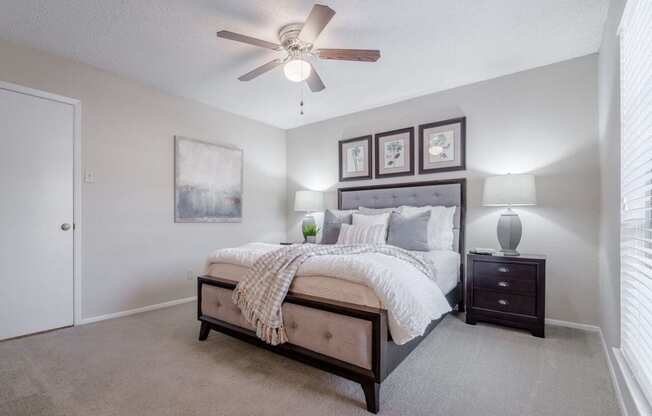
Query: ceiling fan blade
pixel 363 55
pixel 314 81
pixel 248 40
pixel 261 70
pixel 317 20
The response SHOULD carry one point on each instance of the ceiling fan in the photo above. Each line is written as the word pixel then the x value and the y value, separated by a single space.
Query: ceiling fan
pixel 297 40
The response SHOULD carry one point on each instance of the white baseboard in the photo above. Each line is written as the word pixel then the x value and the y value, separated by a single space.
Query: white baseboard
pixel 576 325
pixel 614 378
pixel 610 364
pixel 138 310
pixel 639 399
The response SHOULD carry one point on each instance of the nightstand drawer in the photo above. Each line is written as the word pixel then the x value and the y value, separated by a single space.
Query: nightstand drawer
pixel 504 302
pixel 513 270
pixel 505 284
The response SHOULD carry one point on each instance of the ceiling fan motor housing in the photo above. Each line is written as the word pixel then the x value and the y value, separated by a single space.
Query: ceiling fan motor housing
pixel 289 37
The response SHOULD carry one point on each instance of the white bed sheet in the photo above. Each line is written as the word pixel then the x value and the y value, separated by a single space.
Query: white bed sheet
pixel 447 267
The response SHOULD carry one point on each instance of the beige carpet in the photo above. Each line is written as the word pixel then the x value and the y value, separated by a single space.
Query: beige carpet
pixel 152 364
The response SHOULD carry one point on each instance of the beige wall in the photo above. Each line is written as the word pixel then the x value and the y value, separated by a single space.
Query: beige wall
pixel 542 121
pixel 134 255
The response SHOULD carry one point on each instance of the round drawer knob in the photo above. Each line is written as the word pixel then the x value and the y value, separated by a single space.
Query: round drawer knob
pixel 503 302
pixel 503 284
pixel 503 269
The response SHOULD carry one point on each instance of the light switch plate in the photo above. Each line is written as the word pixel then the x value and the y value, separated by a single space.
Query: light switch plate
pixel 89 177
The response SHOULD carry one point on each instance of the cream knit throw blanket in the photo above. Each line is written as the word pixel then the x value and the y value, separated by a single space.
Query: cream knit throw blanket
pixel 261 293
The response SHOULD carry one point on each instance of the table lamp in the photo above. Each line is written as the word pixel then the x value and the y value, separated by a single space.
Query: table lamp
pixel 509 191
pixel 308 201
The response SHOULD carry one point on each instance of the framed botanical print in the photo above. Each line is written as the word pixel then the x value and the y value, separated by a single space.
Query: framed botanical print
pixel 442 146
pixel 355 159
pixel 395 153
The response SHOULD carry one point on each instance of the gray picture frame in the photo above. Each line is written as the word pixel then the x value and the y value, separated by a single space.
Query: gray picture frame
pixel 208 181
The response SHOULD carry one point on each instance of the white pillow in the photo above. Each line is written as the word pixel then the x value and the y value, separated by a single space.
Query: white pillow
pixel 440 226
pixel 362 234
pixel 368 220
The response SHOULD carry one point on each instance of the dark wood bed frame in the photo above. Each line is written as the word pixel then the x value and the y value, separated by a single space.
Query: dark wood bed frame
pixel 386 355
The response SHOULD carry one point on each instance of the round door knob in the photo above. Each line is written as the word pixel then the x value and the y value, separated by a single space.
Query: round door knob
pixel 65 226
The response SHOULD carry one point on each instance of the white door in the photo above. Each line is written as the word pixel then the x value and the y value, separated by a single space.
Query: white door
pixel 36 207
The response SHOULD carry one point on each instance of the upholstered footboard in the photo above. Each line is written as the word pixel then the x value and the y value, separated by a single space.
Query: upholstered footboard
pixel 349 340
pixel 341 337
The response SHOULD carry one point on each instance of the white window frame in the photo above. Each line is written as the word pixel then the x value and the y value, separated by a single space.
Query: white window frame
pixel 635 354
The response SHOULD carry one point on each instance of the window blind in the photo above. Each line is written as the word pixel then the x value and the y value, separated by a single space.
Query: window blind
pixel 636 191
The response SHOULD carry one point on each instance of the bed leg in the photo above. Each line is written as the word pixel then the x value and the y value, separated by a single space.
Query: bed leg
pixel 203 331
pixel 371 395
pixel 460 302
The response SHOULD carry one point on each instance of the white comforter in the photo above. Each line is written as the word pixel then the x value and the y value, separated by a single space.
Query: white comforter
pixel 411 298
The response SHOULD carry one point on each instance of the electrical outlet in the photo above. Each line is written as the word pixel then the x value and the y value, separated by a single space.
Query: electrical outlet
pixel 190 275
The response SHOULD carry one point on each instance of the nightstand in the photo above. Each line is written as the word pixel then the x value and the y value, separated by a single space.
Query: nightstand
pixel 507 291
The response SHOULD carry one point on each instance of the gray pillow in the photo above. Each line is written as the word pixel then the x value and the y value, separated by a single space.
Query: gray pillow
pixel 409 233
pixel 333 220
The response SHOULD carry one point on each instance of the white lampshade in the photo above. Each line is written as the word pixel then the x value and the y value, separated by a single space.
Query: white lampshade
pixel 506 190
pixel 308 201
pixel 297 70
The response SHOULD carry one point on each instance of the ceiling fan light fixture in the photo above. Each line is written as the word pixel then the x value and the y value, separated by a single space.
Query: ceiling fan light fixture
pixel 297 70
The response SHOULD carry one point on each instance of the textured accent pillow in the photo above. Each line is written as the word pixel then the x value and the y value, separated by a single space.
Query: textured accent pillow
pixel 409 232
pixel 361 234
pixel 440 226
pixel 369 220
pixel 333 220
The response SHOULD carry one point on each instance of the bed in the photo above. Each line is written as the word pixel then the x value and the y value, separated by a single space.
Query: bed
pixel 337 325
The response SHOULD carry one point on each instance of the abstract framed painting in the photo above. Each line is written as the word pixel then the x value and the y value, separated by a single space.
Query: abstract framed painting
pixel 442 146
pixel 355 159
pixel 395 153
pixel 207 181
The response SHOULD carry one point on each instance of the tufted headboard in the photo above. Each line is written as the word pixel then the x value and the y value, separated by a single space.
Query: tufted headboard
pixel 450 192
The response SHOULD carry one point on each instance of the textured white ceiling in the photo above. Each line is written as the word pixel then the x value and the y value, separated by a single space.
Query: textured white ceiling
pixel 426 46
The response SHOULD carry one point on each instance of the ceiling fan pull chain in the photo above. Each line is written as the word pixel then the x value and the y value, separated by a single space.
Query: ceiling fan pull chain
pixel 301 102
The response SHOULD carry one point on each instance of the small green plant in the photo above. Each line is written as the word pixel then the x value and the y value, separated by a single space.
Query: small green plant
pixel 310 230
